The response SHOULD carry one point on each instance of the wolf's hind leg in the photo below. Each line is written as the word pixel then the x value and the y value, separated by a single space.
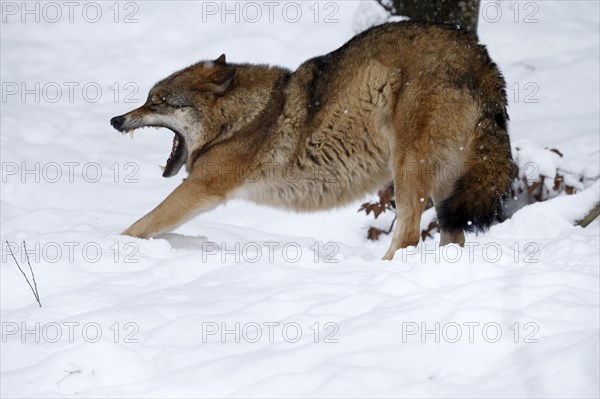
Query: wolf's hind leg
pixel 411 188
pixel 187 200
pixel 443 188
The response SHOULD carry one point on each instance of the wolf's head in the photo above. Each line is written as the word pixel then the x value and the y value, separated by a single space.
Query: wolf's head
pixel 185 104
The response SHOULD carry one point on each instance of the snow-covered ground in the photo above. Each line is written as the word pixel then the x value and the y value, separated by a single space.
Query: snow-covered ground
pixel 250 301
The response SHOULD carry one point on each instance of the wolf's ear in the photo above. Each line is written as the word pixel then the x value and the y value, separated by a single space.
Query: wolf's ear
pixel 221 59
pixel 220 80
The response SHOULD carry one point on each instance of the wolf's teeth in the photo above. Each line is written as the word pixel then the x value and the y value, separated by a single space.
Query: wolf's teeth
pixel 130 133
pixel 162 168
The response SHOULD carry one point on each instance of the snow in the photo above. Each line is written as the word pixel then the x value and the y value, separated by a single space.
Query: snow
pixel 216 307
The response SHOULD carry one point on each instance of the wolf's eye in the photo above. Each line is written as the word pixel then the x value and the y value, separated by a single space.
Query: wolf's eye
pixel 176 105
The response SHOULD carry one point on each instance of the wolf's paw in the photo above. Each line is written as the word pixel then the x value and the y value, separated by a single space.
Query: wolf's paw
pixel 137 230
pixel 388 256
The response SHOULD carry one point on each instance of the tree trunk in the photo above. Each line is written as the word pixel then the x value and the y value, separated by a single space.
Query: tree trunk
pixel 464 13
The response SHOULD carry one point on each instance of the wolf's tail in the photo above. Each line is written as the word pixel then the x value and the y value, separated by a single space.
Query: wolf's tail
pixel 478 195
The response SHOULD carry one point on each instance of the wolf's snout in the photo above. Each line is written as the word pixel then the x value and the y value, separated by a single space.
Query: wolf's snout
pixel 117 122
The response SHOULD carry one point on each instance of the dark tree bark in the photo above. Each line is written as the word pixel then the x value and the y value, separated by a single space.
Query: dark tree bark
pixel 457 12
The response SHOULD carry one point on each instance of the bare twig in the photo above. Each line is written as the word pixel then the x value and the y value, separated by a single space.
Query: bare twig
pixel 589 218
pixel 391 226
pixel 581 177
pixel 69 374
pixel 35 291
pixel 389 7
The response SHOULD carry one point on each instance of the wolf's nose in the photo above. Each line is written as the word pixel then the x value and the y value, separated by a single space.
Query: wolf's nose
pixel 117 122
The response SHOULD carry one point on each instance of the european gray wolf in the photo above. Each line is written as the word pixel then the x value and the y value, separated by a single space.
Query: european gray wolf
pixel 419 105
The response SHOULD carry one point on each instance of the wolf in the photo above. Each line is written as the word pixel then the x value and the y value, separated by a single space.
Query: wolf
pixel 419 105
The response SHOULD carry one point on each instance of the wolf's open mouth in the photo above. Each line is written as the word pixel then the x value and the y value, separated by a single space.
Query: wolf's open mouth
pixel 178 155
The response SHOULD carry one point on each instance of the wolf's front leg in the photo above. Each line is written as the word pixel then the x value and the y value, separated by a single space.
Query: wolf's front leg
pixel 187 200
